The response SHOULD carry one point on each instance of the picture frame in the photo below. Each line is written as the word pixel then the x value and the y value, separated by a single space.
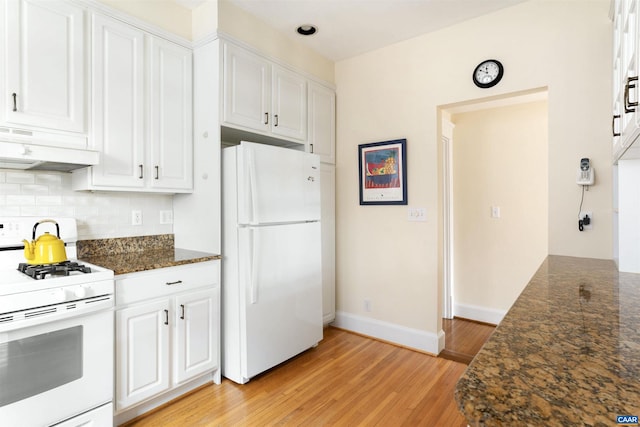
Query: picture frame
pixel 383 172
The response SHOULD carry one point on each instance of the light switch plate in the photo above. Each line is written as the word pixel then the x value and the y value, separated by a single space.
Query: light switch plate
pixel 417 214
pixel 166 217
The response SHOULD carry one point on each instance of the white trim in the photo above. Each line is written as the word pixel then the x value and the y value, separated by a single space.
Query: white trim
pixel 481 314
pixel 397 334
pixel 447 214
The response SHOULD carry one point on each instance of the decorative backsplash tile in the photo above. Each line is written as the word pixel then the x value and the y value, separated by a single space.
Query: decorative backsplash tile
pixel 99 214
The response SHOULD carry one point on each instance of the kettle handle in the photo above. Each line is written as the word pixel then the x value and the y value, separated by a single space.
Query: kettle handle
pixel 45 220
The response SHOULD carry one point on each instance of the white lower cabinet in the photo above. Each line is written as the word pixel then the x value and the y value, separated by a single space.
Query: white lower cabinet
pixel 195 348
pixel 169 337
pixel 142 352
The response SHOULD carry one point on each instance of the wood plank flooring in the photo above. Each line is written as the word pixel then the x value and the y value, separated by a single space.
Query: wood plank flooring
pixel 464 338
pixel 347 380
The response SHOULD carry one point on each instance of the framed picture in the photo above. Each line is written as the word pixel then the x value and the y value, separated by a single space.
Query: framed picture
pixel 383 173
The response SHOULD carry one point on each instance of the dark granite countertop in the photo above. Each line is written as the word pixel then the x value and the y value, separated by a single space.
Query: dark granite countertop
pixel 134 254
pixel 566 353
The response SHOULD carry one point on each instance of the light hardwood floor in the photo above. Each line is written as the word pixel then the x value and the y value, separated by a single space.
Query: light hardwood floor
pixel 347 380
pixel 464 338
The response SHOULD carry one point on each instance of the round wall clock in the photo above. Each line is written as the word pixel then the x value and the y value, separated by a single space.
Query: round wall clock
pixel 488 73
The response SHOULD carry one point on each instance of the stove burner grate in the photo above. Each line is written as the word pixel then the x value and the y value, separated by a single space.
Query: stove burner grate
pixel 40 271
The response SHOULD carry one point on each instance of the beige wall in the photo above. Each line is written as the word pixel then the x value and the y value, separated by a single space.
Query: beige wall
pixel 219 15
pixel 395 93
pixel 166 14
pixel 500 159
pixel 244 27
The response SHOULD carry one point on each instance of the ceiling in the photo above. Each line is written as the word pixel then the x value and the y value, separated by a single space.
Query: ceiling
pixel 347 28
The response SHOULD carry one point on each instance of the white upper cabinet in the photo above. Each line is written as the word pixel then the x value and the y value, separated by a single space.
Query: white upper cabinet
pixel 247 89
pixel 118 103
pixel 322 122
pixel 45 80
pixel 289 104
pixel 262 97
pixel 626 87
pixel 142 112
pixel 170 119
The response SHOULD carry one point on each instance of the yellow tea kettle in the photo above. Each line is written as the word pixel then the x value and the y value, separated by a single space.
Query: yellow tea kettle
pixel 46 249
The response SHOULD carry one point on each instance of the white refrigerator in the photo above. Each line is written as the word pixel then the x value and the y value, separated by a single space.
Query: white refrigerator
pixel 271 265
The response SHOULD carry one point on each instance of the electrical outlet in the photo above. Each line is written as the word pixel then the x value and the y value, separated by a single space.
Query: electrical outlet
pixel 136 217
pixel 586 217
pixel 367 305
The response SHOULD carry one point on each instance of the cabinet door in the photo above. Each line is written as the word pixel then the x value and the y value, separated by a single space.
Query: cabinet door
pixel 196 341
pixel 322 122
pixel 118 103
pixel 142 352
pixel 289 100
pixel 45 65
pixel 247 93
pixel 171 118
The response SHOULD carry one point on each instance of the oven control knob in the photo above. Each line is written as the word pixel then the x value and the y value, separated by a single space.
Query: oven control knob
pixel 80 292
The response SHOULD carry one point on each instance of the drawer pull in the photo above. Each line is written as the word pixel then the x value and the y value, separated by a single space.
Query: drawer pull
pixel 177 282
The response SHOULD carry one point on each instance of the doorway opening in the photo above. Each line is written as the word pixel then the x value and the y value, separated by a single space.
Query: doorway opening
pixel 494 202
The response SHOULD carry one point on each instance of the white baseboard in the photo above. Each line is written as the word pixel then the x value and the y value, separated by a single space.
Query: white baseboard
pixel 401 335
pixel 481 314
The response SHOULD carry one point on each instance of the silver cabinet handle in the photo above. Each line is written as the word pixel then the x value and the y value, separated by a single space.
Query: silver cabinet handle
pixel 182 315
pixel 266 118
pixel 613 124
pixel 166 316
pixel 157 172
pixel 177 282
pixel 141 171
pixel 311 147
pixel 15 102
pixel 275 119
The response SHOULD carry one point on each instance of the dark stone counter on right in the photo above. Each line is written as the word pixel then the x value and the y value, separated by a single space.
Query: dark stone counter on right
pixel 567 352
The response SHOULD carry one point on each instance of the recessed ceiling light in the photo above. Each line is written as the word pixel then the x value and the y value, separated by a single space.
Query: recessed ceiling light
pixel 307 30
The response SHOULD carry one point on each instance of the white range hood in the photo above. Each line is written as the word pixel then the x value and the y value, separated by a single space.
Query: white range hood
pixel 22 151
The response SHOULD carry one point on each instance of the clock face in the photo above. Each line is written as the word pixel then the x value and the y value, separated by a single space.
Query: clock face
pixel 488 73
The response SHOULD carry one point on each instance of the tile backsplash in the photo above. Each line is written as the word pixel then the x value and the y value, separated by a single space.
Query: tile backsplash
pixel 99 214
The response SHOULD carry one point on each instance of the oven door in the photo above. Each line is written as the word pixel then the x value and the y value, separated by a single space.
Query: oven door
pixel 56 370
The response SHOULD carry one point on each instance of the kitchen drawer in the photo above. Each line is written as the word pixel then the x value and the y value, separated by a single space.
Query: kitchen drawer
pixel 145 285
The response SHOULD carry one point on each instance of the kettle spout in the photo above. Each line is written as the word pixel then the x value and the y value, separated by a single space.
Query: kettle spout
pixel 29 250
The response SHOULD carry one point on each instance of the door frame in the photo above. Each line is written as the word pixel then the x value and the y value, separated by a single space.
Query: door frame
pixel 447 215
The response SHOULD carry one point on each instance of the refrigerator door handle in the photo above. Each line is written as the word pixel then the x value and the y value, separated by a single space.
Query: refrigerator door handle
pixel 251 170
pixel 253 277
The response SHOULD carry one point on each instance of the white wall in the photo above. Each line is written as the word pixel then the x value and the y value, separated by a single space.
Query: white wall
pixel 500 159
pixel 395 92
pixel 99 215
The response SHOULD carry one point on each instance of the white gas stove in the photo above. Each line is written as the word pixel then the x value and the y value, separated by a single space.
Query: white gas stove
pixel 56 319
pixel 23 294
